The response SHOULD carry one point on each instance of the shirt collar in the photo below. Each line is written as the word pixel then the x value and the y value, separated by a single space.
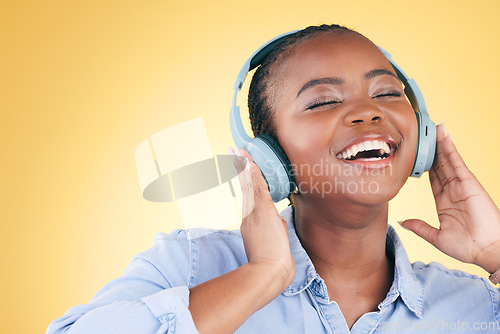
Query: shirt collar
pixel 405 284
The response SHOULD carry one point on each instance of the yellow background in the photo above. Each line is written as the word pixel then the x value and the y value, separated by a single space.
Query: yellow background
pixel 82 83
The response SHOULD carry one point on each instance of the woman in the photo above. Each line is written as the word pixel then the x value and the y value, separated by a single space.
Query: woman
pixel 332 265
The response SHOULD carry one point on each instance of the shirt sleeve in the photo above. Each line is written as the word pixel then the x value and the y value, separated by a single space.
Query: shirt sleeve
pixel 145 300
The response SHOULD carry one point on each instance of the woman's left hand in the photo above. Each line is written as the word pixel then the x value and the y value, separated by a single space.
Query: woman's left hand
pixel 469 220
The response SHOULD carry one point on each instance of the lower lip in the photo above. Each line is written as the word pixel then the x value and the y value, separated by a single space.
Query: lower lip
pixel 373 164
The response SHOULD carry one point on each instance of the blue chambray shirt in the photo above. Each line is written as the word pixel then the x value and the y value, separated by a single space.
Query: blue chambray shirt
pixel 153 294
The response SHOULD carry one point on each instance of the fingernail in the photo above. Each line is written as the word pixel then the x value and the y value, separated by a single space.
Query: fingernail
pixel 400 222
pixel 230 152
pixel 443 129
pixel 450 138
pixel 237 151
pixel 247 164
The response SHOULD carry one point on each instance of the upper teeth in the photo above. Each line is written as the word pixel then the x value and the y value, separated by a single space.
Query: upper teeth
pixel 367 145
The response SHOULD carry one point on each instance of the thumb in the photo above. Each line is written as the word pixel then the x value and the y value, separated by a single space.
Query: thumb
pixel 285 224
pixel 422 229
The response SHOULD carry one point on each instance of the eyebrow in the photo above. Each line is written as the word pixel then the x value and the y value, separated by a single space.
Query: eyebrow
pixel 379 71
pixel 321 81
pixel 339 81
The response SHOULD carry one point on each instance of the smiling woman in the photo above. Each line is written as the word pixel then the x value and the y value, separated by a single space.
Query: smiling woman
pixel 328 97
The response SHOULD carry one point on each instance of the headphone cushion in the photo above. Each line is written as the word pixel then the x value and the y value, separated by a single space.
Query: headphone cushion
pixel 281 155
pixel 426 145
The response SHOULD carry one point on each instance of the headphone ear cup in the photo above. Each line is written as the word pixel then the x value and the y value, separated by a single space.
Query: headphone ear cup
pixel 280 153
pixel 268 154
pixel 426 144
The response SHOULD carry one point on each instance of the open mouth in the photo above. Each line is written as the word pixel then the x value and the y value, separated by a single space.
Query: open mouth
pixel 368 150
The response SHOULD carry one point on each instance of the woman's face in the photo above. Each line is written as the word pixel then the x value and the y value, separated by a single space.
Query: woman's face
pixel 343 119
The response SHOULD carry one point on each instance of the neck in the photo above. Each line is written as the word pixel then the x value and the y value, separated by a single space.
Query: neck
pixel 346 244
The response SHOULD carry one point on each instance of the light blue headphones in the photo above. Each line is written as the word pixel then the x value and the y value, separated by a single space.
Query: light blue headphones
pixel 267 153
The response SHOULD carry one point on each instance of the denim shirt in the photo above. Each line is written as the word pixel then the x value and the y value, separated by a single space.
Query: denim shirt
pixel 153 294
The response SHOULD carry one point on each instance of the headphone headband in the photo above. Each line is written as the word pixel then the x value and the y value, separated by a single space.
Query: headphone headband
pixel 258 56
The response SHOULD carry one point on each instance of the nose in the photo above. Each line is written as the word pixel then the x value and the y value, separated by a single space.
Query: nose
pixel 364 114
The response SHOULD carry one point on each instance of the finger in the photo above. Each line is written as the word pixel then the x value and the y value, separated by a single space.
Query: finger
pixel 456 161
pixel 239 164
pixel 238 160
pixel 248 201
pixel 436 186
pixel 442 164
pixel 260 189
pixel 422 229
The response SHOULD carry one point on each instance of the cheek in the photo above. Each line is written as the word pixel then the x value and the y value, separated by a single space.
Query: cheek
pixel 409 132
pixel 306 140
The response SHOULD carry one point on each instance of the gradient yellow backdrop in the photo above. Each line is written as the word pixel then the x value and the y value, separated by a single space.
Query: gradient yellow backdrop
pixel 83 83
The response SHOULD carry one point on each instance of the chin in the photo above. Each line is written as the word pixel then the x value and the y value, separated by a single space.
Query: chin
pixel 380 197
pixel 386 191
pixel 363 191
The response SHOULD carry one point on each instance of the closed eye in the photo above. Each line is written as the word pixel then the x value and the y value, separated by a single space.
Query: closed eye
pixel 317 104
pixel 389 94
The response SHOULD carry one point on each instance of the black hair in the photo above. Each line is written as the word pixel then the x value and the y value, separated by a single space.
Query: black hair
pixel 260 96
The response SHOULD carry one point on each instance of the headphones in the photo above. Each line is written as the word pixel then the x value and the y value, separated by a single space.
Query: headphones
pixel 268 154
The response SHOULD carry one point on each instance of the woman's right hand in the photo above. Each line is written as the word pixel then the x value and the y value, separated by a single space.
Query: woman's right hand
pixel 224 303
pixel 264 232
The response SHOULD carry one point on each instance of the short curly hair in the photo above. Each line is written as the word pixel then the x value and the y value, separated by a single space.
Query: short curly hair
pixel 264 87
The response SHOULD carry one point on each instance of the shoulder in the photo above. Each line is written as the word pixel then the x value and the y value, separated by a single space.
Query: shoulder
pixel 455 287
pixel 188 257
pixel 185 242
pixel 181 242
pixel 431 272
